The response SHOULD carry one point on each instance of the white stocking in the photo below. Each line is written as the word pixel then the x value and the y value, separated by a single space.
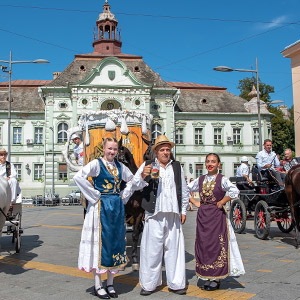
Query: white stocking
pixel 98 284
pixel 110 281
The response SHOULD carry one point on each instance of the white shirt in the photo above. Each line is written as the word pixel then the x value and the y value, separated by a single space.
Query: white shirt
pixel 78 152
pixel 166 200
pixel 264 158
pixel 92 169
pixel 227 186
pixel 3 171
pixel 243 169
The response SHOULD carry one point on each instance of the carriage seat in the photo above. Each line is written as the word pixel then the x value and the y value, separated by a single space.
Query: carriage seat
pixel 257 176
pixel 236 179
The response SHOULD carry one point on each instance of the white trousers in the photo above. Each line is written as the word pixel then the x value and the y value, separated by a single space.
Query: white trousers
pixel 162 237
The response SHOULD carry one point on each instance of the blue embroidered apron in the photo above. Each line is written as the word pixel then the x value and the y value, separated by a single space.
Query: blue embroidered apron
pixel 112 243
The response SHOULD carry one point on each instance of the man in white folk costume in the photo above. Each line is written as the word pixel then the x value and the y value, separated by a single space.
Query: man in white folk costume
pixel 165 201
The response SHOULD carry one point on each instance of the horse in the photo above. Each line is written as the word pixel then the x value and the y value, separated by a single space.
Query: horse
pixel 292 189
pixel 5 198
pixel 133 207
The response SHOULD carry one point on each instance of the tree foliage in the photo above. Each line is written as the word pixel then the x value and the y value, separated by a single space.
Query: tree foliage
pixel 245 87
pixel 283 132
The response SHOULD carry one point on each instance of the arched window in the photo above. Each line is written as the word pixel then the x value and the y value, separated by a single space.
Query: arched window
pixel 156 131
pixel 62 132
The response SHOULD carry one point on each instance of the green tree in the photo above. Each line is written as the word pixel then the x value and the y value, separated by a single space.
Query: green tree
pixel 245 87
pixel 283 132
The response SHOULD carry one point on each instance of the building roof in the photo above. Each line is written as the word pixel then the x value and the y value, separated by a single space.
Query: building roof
pixel 214 101
pixel 24 94
pixel 80 68
pixel 192 85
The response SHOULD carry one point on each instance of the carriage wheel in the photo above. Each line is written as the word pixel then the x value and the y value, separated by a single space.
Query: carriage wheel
pixel 18 239
pixel 285 225
pixel 238 215
pixel 262 220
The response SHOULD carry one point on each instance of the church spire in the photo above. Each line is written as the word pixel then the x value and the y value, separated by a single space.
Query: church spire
pixel 108 38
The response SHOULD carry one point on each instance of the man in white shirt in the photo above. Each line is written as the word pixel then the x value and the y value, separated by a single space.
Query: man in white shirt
pixel 78 149
pixel 267 161
pixel 243 171
pixel 165 201
pixel 8 171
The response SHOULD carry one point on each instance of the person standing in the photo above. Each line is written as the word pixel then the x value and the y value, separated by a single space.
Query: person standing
pixel 103 245
pixel 8 171
pixel 78 149
pixel 267 161
pixel 165 202
pixel 216 250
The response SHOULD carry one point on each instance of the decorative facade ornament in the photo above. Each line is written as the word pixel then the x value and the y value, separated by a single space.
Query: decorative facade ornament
pixel 198 124
pixel 111 75
pixel 218 125
pixel 180 124
pixel 237 125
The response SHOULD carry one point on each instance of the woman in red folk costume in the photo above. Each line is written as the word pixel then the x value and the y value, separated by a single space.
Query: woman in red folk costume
pixel 216 249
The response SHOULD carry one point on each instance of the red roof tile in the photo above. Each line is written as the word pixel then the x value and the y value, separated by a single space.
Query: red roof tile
pixel 191 85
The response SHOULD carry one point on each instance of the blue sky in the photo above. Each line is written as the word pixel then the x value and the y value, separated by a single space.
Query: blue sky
pixel 180 49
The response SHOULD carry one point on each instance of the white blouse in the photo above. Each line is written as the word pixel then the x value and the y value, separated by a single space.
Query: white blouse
pixel 227 186
pixel 92 169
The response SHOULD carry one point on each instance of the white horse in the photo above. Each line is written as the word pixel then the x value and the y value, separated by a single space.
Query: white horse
pixel 5 198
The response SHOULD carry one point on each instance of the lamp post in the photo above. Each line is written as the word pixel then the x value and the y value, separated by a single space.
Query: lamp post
pixel 10 62
pixel 227 69
pixel 53 190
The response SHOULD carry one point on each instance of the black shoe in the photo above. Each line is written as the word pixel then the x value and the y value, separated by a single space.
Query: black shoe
pixel 214 285
pixel 105 296
pixel 178 292
pixel 206 284
pixel 111 294
pixel 145 293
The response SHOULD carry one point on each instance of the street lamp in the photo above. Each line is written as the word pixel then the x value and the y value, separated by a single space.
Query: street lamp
pixel 4 69
pixel 228 69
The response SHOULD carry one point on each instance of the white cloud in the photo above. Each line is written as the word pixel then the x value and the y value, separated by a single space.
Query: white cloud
pixel 275 22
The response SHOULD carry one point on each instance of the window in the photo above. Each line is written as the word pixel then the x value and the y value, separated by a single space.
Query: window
pixel 236 136
pixel 269 134
pixel 38 135
pixel 0 135
pixel 198 136
pixel 18 168
pixel 220 168
pixel 62 132
pixel 17 135
pixel 156 131
pixel 62 172
pixel 179 136
pixel 255 136
pixel 235 166
pixel 199 170
pixel 38 172
pixel 217 136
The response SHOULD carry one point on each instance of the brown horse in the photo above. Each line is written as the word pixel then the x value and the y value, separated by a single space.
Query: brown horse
pixel 133 207
pixel 292 189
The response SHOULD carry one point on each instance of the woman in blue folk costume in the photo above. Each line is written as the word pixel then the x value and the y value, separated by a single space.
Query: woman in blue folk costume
pixel 103 245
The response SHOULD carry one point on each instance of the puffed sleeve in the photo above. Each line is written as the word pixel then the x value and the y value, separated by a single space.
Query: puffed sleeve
pixel 194 185
pixel 92 169
pixel 227 186
pixel 185 194
pixel 126 176
pixel 135 184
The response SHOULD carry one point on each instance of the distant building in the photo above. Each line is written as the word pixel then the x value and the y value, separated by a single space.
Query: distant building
pixel 293 52
pixel 199 118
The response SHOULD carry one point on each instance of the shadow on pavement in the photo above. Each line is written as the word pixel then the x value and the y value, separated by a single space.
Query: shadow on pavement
pixel 12 262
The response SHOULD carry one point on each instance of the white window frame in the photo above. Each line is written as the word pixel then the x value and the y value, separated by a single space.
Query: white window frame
pixel 38 135
pixel 37 171
pixel 62 132
pixel 17 135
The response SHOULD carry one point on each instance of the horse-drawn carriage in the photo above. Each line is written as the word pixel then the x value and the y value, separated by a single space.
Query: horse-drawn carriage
pixel 132 130
pixel 10 214
pixel 264 203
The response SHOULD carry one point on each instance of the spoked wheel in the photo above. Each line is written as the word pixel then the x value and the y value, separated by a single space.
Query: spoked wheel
pixel 238 215
pixel 286 224
pixel 18 239
pixel 262 220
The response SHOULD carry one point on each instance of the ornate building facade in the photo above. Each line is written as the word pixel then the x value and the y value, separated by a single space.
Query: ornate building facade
pixel 199 118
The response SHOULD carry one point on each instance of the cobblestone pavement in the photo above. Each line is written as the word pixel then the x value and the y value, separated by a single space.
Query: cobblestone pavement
pixel 46 266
